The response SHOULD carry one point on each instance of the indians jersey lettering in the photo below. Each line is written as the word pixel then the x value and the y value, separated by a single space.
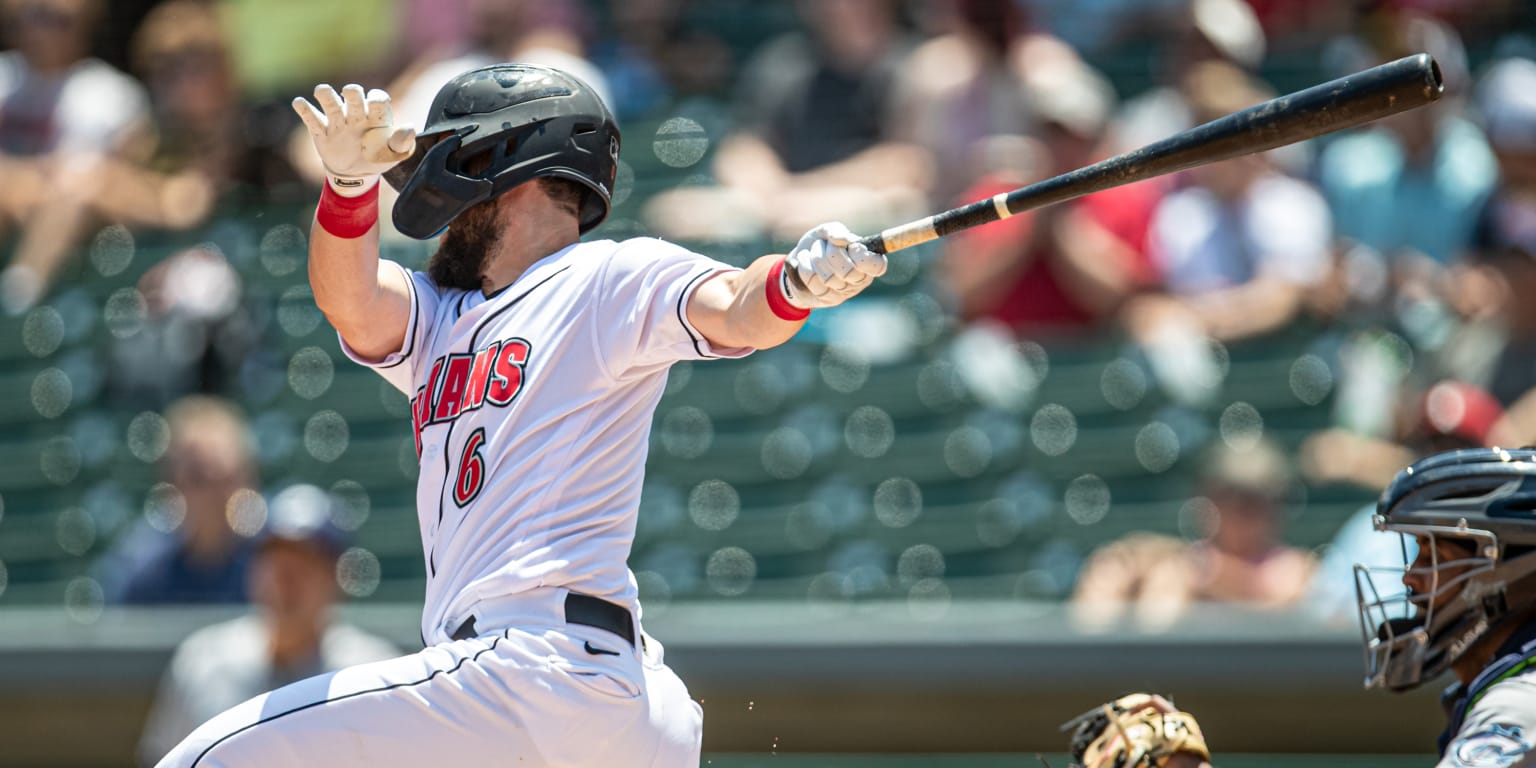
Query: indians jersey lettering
pixel 532 411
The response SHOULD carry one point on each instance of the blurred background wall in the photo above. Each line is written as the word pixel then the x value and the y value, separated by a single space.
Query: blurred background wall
pixel 1126 442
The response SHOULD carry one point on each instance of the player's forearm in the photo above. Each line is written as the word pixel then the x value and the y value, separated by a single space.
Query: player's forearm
pixel 732 309
pixel 343 273
pixel 346 277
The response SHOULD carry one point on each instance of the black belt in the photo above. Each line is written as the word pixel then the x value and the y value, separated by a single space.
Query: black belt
pixel 579 609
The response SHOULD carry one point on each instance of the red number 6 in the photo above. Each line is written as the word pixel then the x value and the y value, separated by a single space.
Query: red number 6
pixel 471 469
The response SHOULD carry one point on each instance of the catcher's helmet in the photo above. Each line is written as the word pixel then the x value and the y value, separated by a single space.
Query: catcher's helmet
pixel 1485 500
pixel 493 128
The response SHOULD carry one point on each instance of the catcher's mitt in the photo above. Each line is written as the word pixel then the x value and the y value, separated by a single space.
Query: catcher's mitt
pixel 1136 731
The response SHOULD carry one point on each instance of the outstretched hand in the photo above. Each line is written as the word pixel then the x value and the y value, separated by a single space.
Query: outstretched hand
pixel 355 135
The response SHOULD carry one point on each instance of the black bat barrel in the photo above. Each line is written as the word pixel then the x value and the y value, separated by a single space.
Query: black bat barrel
pixel 1398 86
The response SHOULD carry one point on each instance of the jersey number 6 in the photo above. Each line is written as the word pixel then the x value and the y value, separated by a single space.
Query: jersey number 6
pixel 471 469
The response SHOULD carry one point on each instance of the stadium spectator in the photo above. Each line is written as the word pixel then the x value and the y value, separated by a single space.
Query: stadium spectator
pixel 1239 247
pixel 196 149
pixel 1240 556
pixel 1497 343
pixel 290 634
pixel 1406 191
pixel 961 88
pixel 643 54
pixel 1206 30
pixel 1067 267
pixel 61 113
pixel 200 333
pixel 187 551
pixel 815 136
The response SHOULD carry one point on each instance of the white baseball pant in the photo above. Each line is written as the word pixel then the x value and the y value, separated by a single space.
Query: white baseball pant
pixel 528 691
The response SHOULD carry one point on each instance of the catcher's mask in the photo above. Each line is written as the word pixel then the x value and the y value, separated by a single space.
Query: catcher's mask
pixel 493 128
pixel 1468 523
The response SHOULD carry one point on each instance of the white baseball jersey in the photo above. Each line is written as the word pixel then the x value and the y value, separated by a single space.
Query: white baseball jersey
pixel 532 410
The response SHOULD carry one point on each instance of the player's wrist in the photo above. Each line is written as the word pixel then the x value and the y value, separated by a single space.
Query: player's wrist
pixel 348 217
pixel 351 186
pixel 780 294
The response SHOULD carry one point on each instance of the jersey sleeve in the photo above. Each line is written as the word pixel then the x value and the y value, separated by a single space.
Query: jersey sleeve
pixel 641 316
pixel 398 367
pixel 1499 730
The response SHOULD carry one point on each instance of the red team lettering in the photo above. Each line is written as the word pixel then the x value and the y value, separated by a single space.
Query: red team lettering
pixel 463 383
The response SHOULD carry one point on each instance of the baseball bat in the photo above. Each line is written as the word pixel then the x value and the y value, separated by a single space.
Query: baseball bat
pixel 1398 86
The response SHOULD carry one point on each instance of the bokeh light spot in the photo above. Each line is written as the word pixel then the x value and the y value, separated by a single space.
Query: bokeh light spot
pixel 898 502
pixel 713 505
pixel 148 436
pixel 358 572
pixel 1241 426
pixel 112 250
pixel 326 436
pixel 869 432
pixel 1157 447
pixel 1087 500
pixel 786 453
pixel 124 312
pixel 681 142
pixel 164 507
pixel 310 372
pixel 52 392
pixel 1053 429
pixel 297 314
pixel 730 571
pixel 43 331
pixel 686 432
pixel 1311 379
pixel 60 460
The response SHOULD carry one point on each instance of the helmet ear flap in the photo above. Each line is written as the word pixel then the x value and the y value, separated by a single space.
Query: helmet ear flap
pixel 437 193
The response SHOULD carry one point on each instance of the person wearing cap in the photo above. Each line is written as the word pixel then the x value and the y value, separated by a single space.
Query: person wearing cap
pixel 183 551
pixel 1237 554
pixel 290 635
pixel 1225 31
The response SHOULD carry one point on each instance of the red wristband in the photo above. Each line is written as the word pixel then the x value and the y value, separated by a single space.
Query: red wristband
pixel 777 301
pixel 347 217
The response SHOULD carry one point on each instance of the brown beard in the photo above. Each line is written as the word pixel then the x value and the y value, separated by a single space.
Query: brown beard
pixel 464 249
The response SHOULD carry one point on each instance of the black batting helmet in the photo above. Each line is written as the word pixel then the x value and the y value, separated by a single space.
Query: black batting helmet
pixel 493 128
pixel 1484 500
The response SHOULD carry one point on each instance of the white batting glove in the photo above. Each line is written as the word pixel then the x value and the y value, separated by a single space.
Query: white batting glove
pixel 828 266
pixel 354 135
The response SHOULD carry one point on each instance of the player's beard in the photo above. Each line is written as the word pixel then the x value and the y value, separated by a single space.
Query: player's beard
pixel 463 250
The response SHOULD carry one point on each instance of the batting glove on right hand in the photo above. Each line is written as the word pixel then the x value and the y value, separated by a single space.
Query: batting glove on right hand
pixel 355 136
pixel 829 266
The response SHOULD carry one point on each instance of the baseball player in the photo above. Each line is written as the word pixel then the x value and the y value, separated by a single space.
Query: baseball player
pixel 1469 599
pixel 533 362
pixel 1468 606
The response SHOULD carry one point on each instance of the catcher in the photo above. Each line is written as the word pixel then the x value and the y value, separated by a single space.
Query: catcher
pixel 1467 607
pixel 1137 731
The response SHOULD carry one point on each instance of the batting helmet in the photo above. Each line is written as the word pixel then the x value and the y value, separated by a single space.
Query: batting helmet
pixel 1483 500
pixel 493 128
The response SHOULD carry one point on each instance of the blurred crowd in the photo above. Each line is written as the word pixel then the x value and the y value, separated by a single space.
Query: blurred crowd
pixel 1410 243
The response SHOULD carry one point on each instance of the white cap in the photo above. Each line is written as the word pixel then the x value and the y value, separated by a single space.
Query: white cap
pixel 1232 27
pixel 1507 100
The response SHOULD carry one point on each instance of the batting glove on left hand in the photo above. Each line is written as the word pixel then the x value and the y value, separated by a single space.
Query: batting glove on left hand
pixel 829 266
pixel 355 135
